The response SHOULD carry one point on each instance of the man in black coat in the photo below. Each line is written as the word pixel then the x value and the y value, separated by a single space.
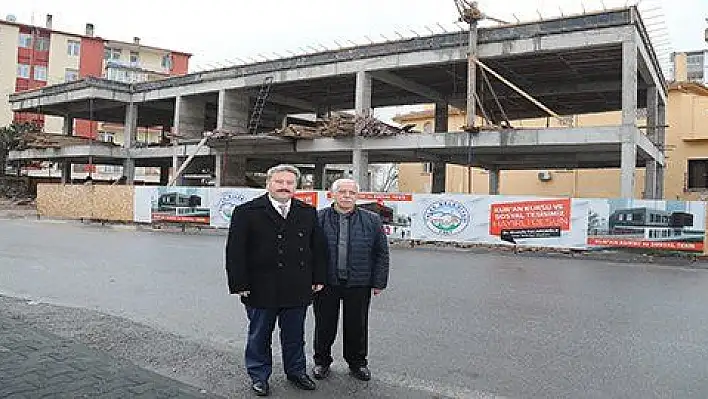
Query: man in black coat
pixel 275 260
pixel 357 266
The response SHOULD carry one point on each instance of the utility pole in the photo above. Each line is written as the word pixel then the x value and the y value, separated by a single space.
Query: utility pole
pixel 470 13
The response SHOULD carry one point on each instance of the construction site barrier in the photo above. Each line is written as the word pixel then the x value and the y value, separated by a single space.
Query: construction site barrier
pixel 543 222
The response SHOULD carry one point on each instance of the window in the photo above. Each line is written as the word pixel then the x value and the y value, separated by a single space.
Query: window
pixel 73 47
pixel 71 75
pixel 40 73
pixel 25 40
pixel 697 174
pixel 167 61
pixel 41 44
pixel 106 137
pixel 23 71
pixel 694 59
pixel 134 58
pixel 110 54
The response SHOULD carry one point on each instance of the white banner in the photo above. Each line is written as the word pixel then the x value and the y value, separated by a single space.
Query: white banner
pixel 483 219
pixel 172 204
pixel 225 200
pixel 498 220
pixel 396 210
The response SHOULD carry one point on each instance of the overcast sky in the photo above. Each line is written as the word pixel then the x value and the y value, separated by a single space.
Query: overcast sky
pixel 219 32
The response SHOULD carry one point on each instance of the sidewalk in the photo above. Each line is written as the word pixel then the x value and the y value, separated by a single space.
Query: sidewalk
pixel 35 364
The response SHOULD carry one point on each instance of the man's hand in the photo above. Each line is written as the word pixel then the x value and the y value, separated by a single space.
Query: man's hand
pixel 377 291
pixel 243 293
pixel 317 287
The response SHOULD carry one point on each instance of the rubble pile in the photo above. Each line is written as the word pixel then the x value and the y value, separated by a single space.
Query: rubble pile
pixel 341 125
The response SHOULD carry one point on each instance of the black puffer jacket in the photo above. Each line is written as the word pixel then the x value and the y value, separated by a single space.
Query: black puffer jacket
pixel 367 257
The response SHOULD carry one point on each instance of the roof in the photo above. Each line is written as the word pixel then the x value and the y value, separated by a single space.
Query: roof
pixel 689 88
pixel 44 29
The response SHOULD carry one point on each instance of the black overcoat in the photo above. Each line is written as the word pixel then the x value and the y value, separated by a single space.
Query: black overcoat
pixel 276 259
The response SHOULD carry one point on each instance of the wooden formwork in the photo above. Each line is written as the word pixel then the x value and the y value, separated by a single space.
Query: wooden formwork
pixel 98 202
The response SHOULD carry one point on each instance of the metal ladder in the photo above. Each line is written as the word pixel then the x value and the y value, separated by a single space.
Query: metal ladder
pixel 260 104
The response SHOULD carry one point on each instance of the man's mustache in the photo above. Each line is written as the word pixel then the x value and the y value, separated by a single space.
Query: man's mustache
pixel 283 190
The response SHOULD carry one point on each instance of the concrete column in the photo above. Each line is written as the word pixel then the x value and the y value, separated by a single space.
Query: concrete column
pixel 362 98
pixel 362 103
pixel 319 177
pixel 439 176
pixel 652 111
pixel 629 83
pixel 650 176
pixel 629 118
pixel 130 127
pixel 650 183
pixel 441 118
pixel 321 112
pixel 129 170
pixel 659 182
pixel 661 143
pixel 440 168
pixel 68 126
pixel 176 163
pixel 65 172
pixel 164 175
pixel 360 169
pixel 494 181
pixel 189 116
pixel 234 174
pixel 232 114
pixel 218 168
pixel 628 162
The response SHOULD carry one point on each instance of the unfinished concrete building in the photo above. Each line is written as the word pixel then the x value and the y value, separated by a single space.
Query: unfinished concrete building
pixel 575 65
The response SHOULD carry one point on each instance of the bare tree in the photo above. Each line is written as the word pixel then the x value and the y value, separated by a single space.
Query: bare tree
pixel 390 181
pixel 10 139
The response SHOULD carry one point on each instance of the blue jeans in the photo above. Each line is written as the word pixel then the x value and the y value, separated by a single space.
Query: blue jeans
pixel 259 355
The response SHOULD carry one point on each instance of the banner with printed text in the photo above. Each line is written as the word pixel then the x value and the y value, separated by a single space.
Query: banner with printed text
pixel 483 219
pixel 172 204
pixel 500 220
pixel 395 210
pixel 647 224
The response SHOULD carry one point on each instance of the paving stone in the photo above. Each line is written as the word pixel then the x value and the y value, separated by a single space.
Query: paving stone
pixel 37 364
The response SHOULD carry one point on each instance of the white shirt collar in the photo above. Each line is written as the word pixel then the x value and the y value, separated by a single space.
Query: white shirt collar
pixel 276 204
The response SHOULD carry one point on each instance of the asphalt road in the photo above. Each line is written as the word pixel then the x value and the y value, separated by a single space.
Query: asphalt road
pixel 452 323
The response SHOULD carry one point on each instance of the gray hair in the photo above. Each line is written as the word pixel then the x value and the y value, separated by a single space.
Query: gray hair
pixel 338 182
pixel 283 168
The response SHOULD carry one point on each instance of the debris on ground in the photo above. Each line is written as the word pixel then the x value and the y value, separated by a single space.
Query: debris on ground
pixel 341 124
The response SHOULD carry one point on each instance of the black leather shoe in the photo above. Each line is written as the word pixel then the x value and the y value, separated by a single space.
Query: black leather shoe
pixel 261 388
pixel 320 372
pixel 303 382
pixel 361 373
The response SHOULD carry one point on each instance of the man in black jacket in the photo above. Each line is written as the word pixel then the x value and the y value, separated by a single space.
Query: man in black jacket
pixel 275 259
pixel 357 266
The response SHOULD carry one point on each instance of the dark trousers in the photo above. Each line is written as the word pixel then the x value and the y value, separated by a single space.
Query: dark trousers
pixel 356 302
pixel 259 355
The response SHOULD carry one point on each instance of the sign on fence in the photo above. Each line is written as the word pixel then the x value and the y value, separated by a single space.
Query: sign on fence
pixel 481 219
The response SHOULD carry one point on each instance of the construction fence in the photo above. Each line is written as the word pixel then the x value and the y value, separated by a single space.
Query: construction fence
pixel 571 223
